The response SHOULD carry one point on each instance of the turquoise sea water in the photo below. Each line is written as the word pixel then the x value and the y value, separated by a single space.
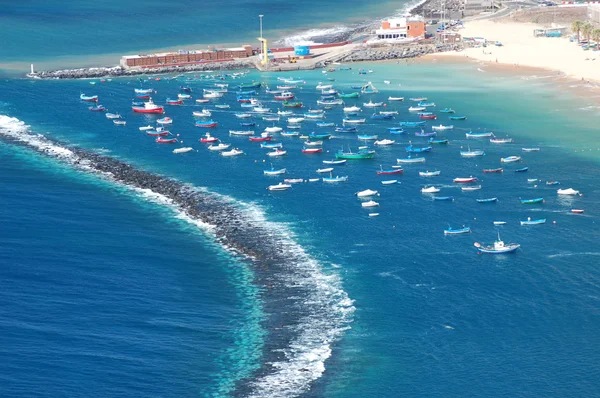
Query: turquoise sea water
pixel 110 291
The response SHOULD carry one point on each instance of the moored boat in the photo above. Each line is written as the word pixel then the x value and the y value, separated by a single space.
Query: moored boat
pixel 206 123
pixel 498 247
pixel 464 180
pixel 410 159
pixel 568 191
pixel 469 188
pixel 498 170
pixel 166 140
pixel 457 231
pixel 430 189
pixel 487 200
pixel 149 107
pixel 529 221
pixel 441 127
pixel 429 173
pixel 370 203
pixel 361 154
pixel 279 187
pixel 88 98
pixel 312 150
pixel 532 201
pixel 331 179
pixel 232 152
pixel 510 159
pixel 458 118
pixel 381 171
pixel 219 147
pixel 366 193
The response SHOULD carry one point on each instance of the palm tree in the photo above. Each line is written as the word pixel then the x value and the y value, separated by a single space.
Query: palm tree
pixel 576 28
pixel 586 30
pixel 596 36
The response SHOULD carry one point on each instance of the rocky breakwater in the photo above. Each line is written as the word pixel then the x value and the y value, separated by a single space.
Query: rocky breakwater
pixel 395 51
pixel 116 71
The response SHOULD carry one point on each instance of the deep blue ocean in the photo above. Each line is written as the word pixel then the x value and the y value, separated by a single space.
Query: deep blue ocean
pixel 111 291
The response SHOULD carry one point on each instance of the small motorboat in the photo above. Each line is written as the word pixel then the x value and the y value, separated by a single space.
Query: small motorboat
pixel 471 134
pixel 243 115
pixel 165 120
pixel 88 98
pixel 366 193
pixel 498 170
pixel 429 173
pixel 202 113
pixel 277 152
pixel 521 170
pixel 413 149
pixel 335 179
pixel 447 110
pixel 279 187
pixel 274 129
pixel 441 127
pixel 119 122
pixel 430 189
pixel 577 211
pixel 443 198
pixel 381 171
pixel 232 152
pixel 458 118
pixel 389 182
pixel 510 159
pixel 372 104
pixel 395 98
pixel 183 150
pixel 208 138
pixel 312 150
pixel 262 138
pixel 313 143
pixel 530 149
pixel 487 200
pixel 325 170
pixel 335 162
pixel 290 134
pixel 464 180
pixel 160 140
pixel 495 140
pixel 568 191
pixel 532 201
pixel 529 221
pixel 241 132
pixel 273 172
pixel 353 121
pixel 470 188
pixel 384 142
pixel 370 203
pixel 97 108
pixel 219 147
pixel 416 109
pixel 112 116
pixel 552 183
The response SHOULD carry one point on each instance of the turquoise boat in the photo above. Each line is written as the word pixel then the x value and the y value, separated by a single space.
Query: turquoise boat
pixel 349 95
pixel 361 154
pixel 245 86
pixel 446 110
pixel 458 118
pixel 532 201
pixel 458 231
pixel 529 221
pixel 438 142
pixel 487 200
pixel 314 136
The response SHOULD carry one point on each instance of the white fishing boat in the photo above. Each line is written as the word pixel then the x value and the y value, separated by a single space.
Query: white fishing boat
pixel 441 127
pixel 276 153
pixel 370 203
pixel 119 122
pixel 273 172
pixel 279 187
pixel 416 109
pixel 322 86
pixel 233 152
pixel 202 113
pixel 470 188
pixel 313 143
pixel 385 113
pixel 183 150
pixel 372 104
pixel 211 94
pixel 353 121
pixel 568 191
pixel 366 193
pixel 389 182
pixel 261 109
pixel 430 189
pixel 384 142
pixel 241 132
pixel 411 160
pixel 219 147
pixel 284 113
pixel 325 170
pixel 510 159
pixel 352 109
pixel 273 129
pixel 112 115
pixel 295 120
pixel 395 98
pixel 146 128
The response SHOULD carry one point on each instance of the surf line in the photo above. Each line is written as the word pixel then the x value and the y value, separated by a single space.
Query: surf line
pixel 306 308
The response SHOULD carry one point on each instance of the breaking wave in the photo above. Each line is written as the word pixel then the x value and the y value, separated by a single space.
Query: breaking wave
pixel 306 309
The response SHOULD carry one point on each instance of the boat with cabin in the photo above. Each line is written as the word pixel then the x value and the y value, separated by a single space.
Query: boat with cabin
pixel 149 107
pixel 499 247
pixel 349 155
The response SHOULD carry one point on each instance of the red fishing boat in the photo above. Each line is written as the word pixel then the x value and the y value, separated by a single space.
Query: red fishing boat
pixel 208 138
pixel 577 211
pixel 312 150
pixel 393 171
pixel 284 96
pixel 260 139
pixel 88 98
pixel 149 107
pixel 158 133
pixel 98 108
pixel 166 140
pixel 498 170
pixel 174 102
pixel 428 117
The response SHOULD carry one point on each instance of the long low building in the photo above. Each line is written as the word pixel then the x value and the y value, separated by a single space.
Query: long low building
pixel 184 57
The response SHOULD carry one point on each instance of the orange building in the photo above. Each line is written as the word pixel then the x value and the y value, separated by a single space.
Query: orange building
pixel 408 28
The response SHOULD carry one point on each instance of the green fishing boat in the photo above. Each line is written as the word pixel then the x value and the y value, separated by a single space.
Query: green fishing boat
pixel 532 201
pixel 361 154
pixel 349 95
pixel 290 104
pixel 244 86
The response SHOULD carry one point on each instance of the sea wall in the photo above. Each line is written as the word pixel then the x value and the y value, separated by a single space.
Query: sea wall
pixel 395 51
pixel 116 71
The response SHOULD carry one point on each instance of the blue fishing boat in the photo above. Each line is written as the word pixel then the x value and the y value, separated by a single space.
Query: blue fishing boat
pixel 529 221
pixel 498 247
pixel 424 134
pixel 444 198
pixel 246 93
pixel 447 110
pixel 397 132
pixel 532 201
pixel 325 124
pixel 413 149
pixel 314 136
pixel 522 170
pixel 458 118
pixel 426 104
pixel 206 123
pixel 412 124
pixel 335 179
pixel 271 145
pixel 457 231
pixel 424 113
pixel 390 129
pixel 378 116
pixel 438 142
pixel 345 129
pixel 487 200
pixel 429 173
pixel 248 124
pixel 366 137
pixel 289 134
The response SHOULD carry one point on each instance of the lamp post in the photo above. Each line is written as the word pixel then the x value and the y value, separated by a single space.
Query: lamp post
pixel 260 18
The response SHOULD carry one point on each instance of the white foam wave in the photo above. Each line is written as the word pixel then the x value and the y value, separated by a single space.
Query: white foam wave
pixel 305 38
pixel 559 255
pixel 327 307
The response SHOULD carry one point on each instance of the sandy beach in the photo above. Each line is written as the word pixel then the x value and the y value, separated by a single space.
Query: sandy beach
pixel 520 48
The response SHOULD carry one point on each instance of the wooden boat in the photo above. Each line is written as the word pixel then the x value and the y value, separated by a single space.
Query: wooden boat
pixel 471 134
pixel 312 150
pixel 470 188
pixel 529 221
pixel 510 159
pixel 568 191
pixel 381 171
pixel 418 99
pixel 430 189
pixel 335 162
pixel 457 231
pixel 498 170
pixel 206 123
pixel 325 170
pixel 325 124
pixel 499 247
pixel 166 140
pixel 389 182
pixel 411 160
pixel 165 120
pixel 412 124
pixel 532 201
pixel 552 183
pixel 470 154
pixel 366 193
pixel 253 138
pixel 438 142
pixel 495 140
pixel 219 147
pixel 208 138
pixel 361 154
pixel 521 170
pixel 97 108
pixel 458 118
pixel 290 134
pixel 153 133
pixel 413 149
pixel 149 107
pixel 279 187
pixel 119 122
pixel 313 143
pixel 577 211
pixel 88 98
pixel 370 203
pixel 428 117
pixel 335 179
pixel 487 200
pixel 464 180
pixel 232 152
pixel 429 173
